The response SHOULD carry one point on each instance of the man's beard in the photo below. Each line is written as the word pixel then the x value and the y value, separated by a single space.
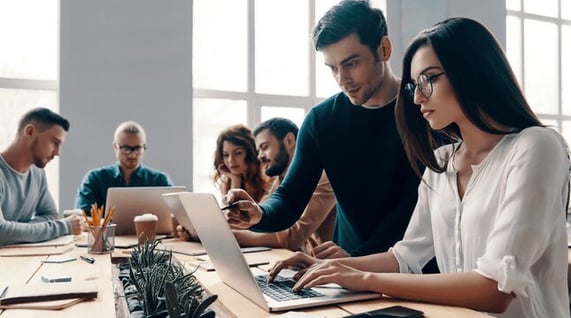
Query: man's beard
pixel 280 163
pixel 38 162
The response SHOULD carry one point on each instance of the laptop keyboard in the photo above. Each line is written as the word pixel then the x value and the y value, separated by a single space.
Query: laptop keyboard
pixel 280 289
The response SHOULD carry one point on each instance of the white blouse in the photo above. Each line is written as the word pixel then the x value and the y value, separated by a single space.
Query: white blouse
pixel 509 226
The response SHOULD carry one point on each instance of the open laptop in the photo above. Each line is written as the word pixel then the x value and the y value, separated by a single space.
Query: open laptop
pixel 224 252
pixel 132 201
pixel 173 202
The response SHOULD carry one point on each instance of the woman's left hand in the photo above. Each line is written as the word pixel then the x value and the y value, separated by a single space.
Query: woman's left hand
pixel 332 271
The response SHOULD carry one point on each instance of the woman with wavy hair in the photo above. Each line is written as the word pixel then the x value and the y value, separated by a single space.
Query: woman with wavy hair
pixel 236 165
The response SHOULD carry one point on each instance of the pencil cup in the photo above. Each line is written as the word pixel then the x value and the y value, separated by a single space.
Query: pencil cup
pixel 146 227
pixel 101 239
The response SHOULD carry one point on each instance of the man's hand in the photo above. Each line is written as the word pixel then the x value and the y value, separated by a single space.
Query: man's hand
pixel 329 250
pixel 246 214
pixel 182 233
pixel 75 224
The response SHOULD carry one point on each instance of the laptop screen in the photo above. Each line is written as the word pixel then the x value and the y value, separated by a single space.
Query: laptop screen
pixel 132 201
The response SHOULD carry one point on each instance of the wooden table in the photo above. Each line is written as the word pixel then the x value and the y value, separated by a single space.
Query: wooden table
pixel 234 304
pixel 29 269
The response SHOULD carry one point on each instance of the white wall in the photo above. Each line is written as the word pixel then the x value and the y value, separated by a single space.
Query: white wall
pixel 407 17
pixel 131 59
pixel 121 60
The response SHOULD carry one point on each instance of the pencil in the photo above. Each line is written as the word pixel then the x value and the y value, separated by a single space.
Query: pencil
pixel 108 216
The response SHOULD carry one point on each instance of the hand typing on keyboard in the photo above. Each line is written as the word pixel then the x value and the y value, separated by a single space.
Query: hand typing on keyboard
pixel 280 289
pixel 321 272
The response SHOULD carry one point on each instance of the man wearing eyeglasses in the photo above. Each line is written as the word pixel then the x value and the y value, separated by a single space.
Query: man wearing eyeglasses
pixel 129 146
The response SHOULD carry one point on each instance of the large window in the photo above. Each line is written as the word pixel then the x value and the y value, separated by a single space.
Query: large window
pixel 538 46
pixel 28 67
pixel 253 60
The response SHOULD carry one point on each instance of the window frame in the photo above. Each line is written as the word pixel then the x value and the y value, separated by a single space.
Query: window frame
pixel 559 21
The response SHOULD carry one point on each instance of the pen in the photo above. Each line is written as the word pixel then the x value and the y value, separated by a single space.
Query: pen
pixel 235 204
pixel 90 260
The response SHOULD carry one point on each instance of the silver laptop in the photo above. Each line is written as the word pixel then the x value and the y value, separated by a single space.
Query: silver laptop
pixel 224 252
pixel 132 201
pixel 174 204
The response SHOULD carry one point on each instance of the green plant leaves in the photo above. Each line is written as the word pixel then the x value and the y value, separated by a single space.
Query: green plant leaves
pixel 163 286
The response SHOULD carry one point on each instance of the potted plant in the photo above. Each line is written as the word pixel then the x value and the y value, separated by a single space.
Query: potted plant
pixel 159 286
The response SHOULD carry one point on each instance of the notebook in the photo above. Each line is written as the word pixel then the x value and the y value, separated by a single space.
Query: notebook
pixel 224 252
pixel 16 294
pixel 58 241
pixel 132 201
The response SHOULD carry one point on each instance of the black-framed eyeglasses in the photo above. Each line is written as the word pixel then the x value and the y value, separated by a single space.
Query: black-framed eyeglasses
pixel 126 149
pixel 424 84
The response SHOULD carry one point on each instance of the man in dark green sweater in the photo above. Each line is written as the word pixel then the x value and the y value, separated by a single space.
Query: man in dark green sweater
pixel 353 136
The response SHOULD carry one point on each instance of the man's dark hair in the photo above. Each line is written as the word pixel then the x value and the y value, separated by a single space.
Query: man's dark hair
pixel 43 118
pixel 347 17
pixel 278 126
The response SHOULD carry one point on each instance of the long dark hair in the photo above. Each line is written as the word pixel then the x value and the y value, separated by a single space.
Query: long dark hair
pixel 254 182
pixel 481 78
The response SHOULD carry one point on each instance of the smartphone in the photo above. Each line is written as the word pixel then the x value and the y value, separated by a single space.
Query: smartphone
pixel 56 279
pixel 390 312
pixel 60 260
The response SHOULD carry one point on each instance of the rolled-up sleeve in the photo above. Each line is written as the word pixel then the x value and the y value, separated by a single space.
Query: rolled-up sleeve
pixel 532 202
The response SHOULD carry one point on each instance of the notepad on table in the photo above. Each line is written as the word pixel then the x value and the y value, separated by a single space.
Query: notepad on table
pixel 31 293
pixel 59 241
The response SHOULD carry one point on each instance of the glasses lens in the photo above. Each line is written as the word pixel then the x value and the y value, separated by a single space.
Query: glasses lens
pixel 125 149
pixel 425 85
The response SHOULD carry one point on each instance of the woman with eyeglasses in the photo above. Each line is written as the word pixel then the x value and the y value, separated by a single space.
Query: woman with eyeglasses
pixel 491 206
pixel 236 164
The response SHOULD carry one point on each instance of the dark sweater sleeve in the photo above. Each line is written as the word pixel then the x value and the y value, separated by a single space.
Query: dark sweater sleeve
pixel 284 207
pixel 392 228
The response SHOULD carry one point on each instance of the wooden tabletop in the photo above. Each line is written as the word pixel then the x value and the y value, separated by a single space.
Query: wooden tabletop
pixel 232 303
pixel 29 269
